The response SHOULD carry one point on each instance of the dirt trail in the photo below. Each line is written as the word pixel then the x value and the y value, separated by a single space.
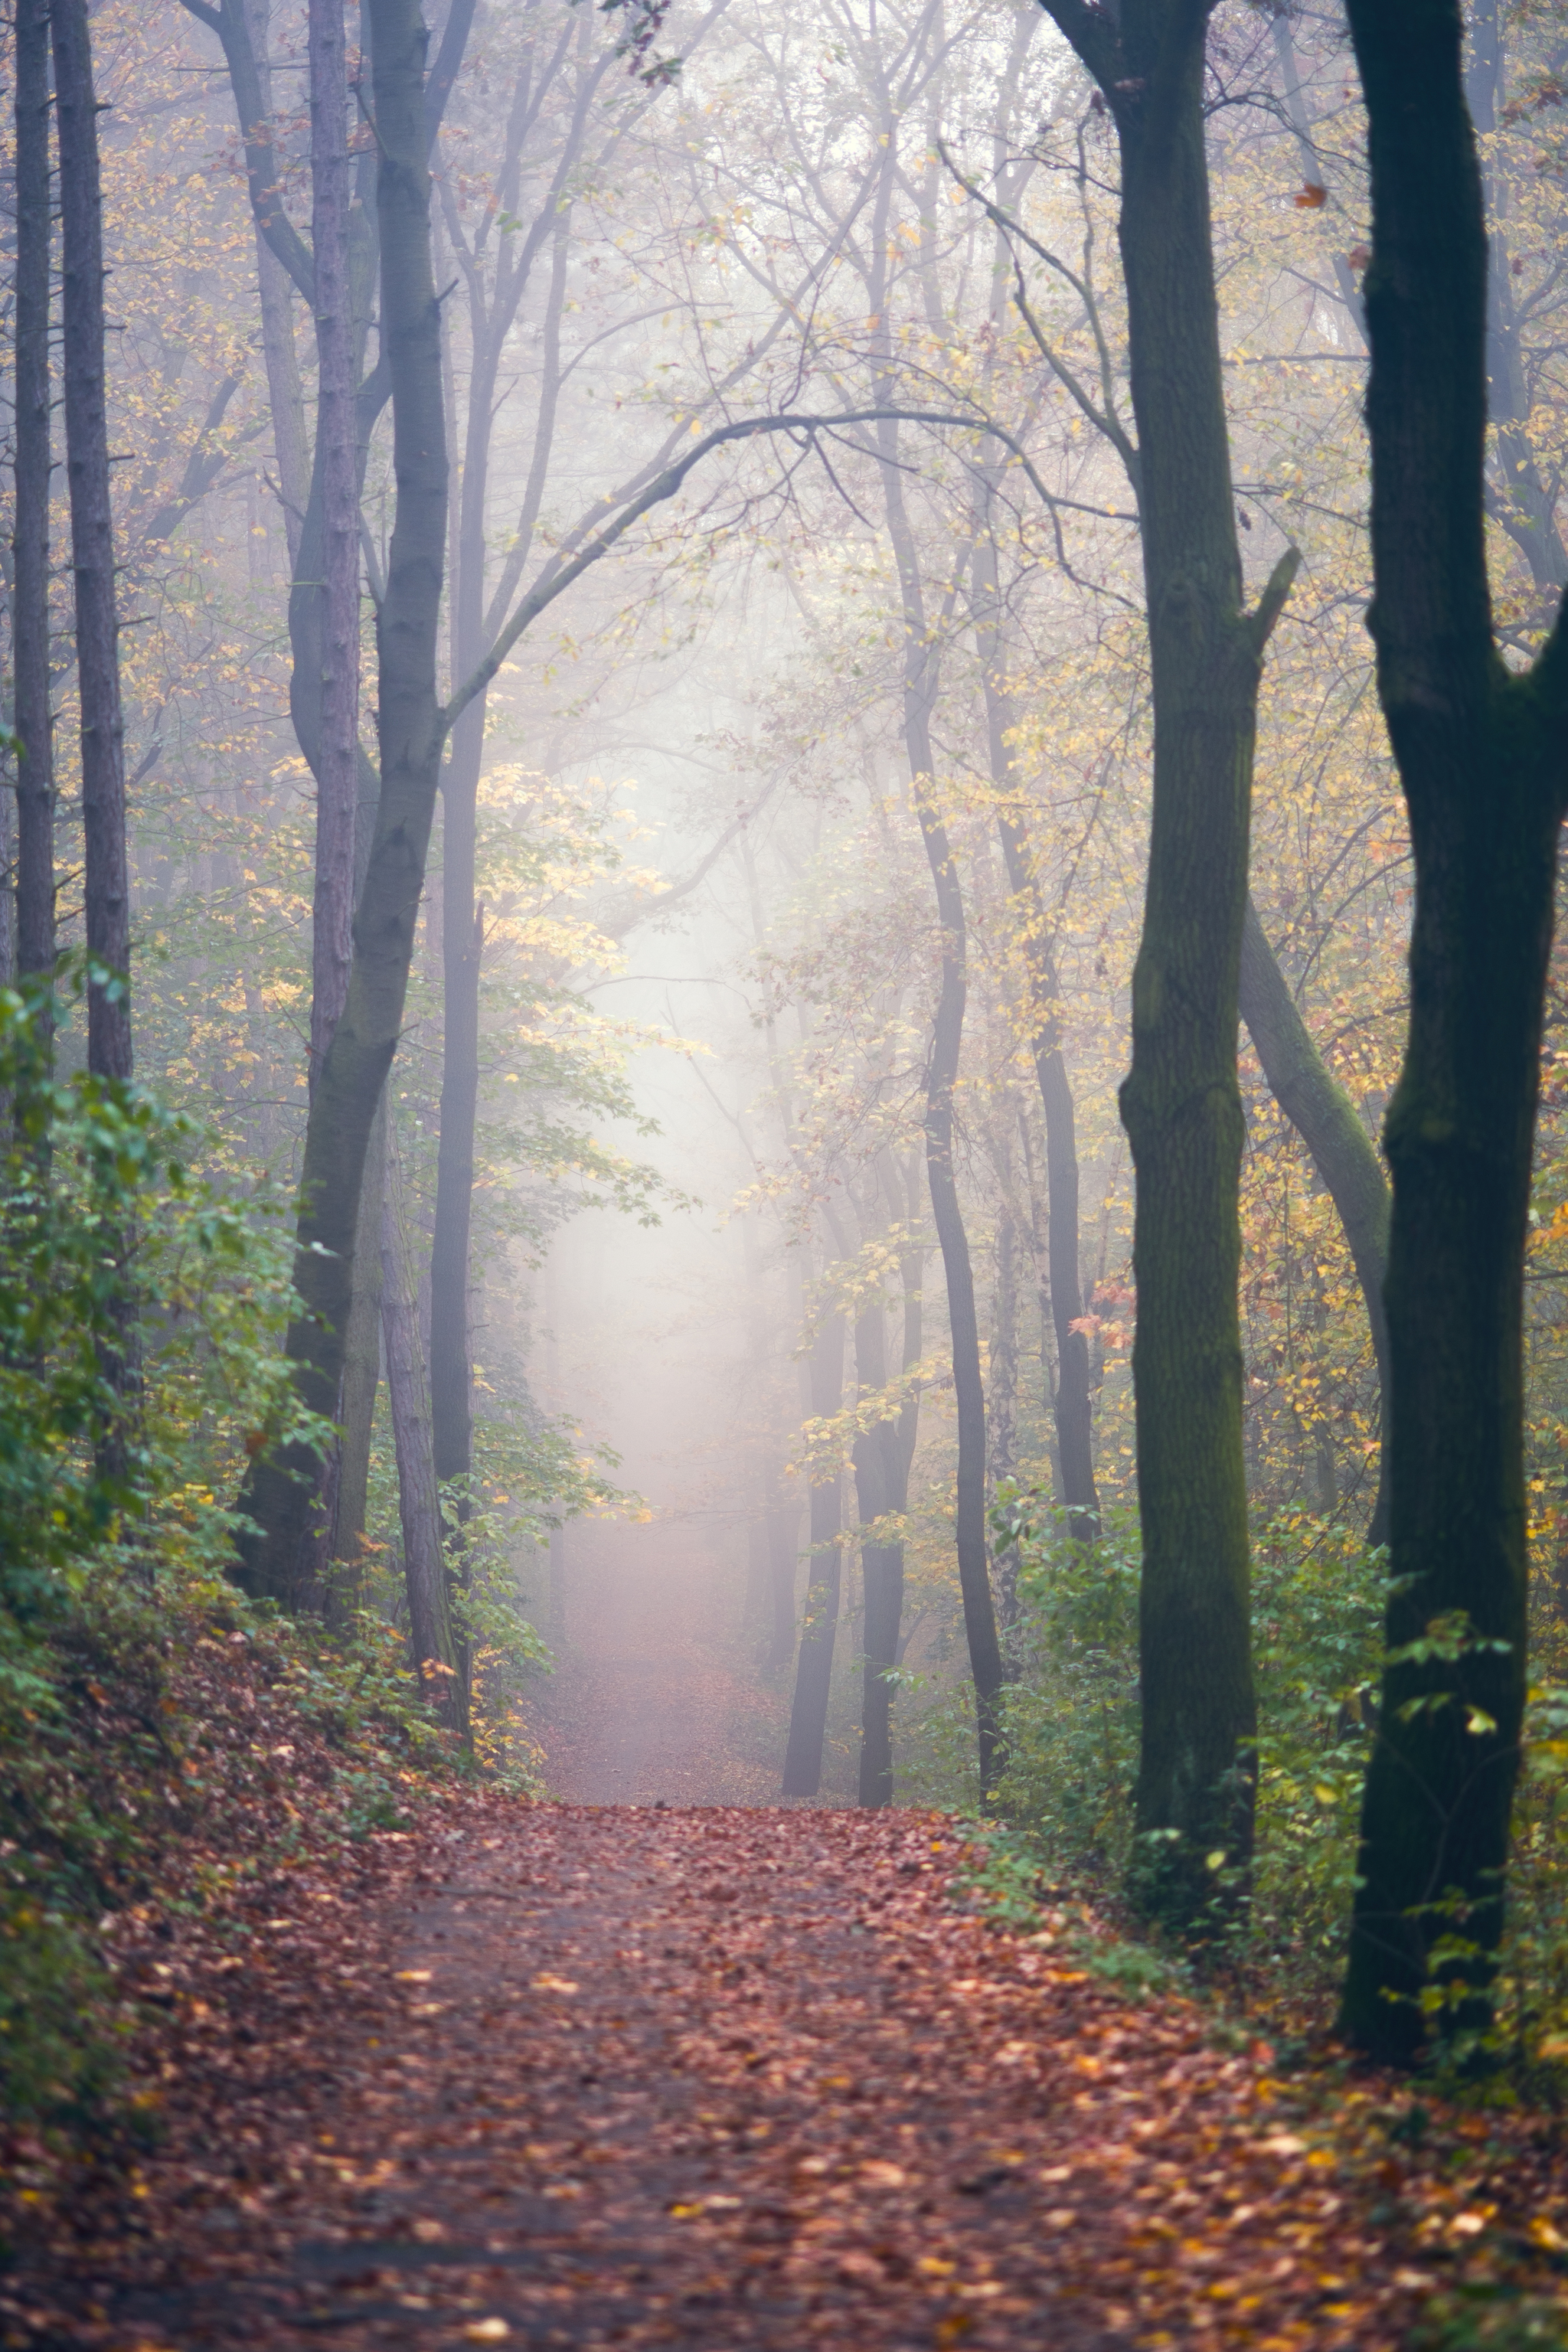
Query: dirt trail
pixel 650 1699
pixel 704 2079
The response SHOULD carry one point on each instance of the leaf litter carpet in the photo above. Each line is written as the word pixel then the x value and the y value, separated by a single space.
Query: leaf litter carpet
pixel 714 2077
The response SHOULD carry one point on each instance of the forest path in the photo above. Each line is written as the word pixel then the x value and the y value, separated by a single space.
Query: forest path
pixel 708 2079
pixel 651 1698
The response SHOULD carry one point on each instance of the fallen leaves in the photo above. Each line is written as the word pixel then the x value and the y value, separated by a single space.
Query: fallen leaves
pixel 844 2113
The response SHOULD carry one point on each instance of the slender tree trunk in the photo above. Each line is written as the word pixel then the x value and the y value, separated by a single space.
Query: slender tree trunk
pixel 968 1394
pixel 1074 1396
pixel 941 1075
pixel 1483 759
pixel 473 626
pixel 342 1107
pixel 362 1367
pixel 814 1667
pixel 882 1458
pixel 418 1497
pixel 34 461
pixel 106 879
pixel 290 442
pixel 1342 1153
pixel 337 756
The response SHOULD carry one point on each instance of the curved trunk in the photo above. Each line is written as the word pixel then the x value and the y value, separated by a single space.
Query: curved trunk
pixel 1342 1153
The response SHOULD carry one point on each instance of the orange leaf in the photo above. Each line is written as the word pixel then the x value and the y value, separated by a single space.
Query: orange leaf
pixel 1311 196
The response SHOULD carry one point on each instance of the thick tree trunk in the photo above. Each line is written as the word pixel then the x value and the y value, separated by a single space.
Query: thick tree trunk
pixel 342 1108
pixel 1483 760
pixel 33 459
pixel 1181 1102
pixel 1342 1153
pixel 814 1666
pixel 107 880
pixel 418 1497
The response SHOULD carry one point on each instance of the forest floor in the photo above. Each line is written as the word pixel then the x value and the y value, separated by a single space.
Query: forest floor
pixel 703 2074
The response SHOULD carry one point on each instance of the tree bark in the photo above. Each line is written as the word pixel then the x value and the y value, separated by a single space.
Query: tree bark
pixel 337 756
pixel 1483 760
pixel 418 1494
pixel 410 725
pixel 362 1370
pixel 1181 1102
pixel 290 442
pixel 1074 1401
pixel 813 1665
pixel 107 879
pixel 473 625
pixel 1342 1153
pixel 34 462
pixel 882 1457
pixel 941 1077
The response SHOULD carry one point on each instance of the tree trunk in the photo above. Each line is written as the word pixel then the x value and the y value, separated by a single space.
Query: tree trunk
pixel 289 444
pixel 33 460
pixel 337 755
pixel 342 1107
pixel 1482 760
pixel 418 1495
pixel 882 1458
pixel 814 1666
pixel 362 1369
pixel 1074 1403
pixel 107 887
pixel 1342 1153
pixel 941 1075
pixel 1181 1102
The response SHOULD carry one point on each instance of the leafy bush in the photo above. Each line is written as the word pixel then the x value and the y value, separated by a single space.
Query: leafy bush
pixel 114 1541
pixel 1317 1602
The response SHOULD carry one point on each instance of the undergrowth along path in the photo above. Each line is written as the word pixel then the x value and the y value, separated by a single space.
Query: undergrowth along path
pixel 562 2075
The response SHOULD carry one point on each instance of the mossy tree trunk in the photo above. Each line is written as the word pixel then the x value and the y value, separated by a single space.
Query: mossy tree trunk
pixel 1181 1102
pixel 1483 759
